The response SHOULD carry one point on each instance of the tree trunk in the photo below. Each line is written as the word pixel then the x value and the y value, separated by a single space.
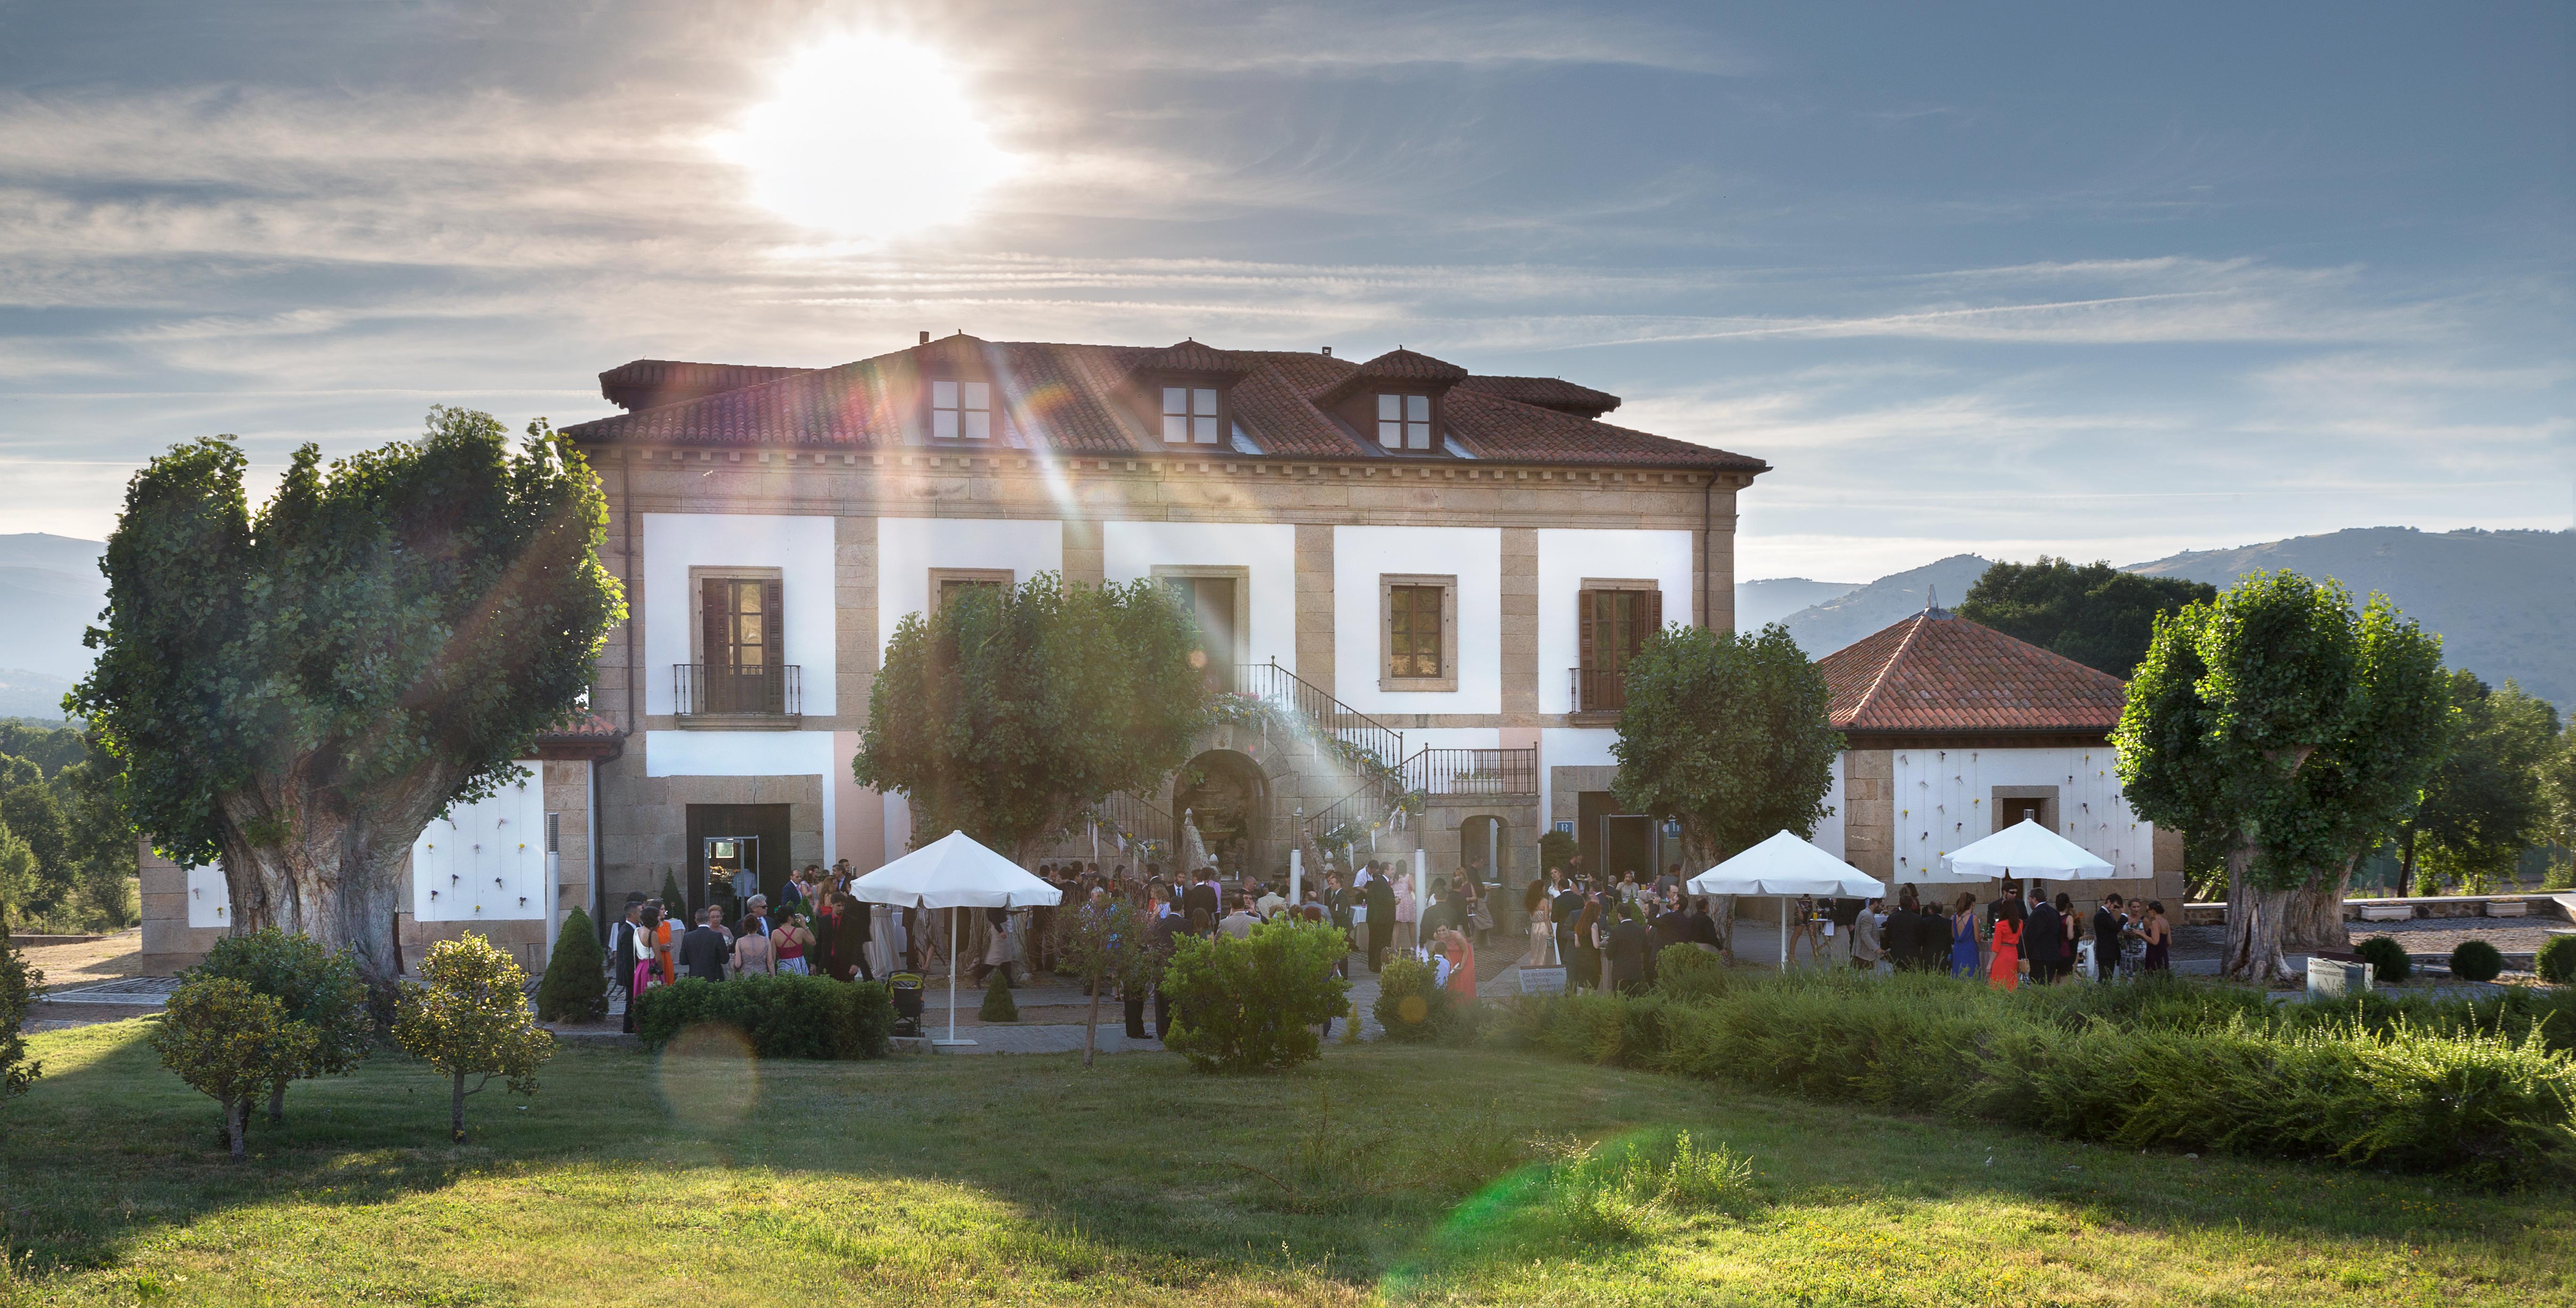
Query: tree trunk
pixel 237 1123
pixel 2314 920
pixel 277 1102
pixel 2254 914
pixel 1091 1027
pixel 456 1111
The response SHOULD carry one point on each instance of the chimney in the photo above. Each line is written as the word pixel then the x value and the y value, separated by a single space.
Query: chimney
pixel 1328 351
pixel 925 338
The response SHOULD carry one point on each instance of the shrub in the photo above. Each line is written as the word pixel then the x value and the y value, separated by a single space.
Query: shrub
pixel 575 987
pixel 19 986
pixel 317 987
pixel 1252 1004
pixel 1412 1006
pixel 998 1004
pixel 471 1019
pixel 1690 972
pixel 2387 959
pixel 2476 960
pixel 782 1016
pixel 2556 961
pixel 227 1040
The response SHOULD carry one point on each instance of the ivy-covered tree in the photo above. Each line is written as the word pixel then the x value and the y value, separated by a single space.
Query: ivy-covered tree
pixel 1729 733
pixel 467 1016
pixel 2095 614
pixel 297 692
pixel 2489 800
pixel 315 986
pixel 1010 711
pixel 2293 731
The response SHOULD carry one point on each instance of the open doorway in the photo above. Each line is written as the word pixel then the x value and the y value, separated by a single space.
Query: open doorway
pixel 728 840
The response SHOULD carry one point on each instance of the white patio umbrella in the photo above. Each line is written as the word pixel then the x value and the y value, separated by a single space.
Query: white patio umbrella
pixel 953 872
pixel 1785 865
pixel 2026 849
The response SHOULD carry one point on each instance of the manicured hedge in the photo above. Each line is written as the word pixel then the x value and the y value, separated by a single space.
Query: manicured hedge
pixel 782 1016
pixel 2476 960
pixel 2474 1089
pixel 2556 961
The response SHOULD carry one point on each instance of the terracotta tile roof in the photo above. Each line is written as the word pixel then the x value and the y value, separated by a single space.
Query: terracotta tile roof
pixel 645 383
pixel 1939 672
pixel 1074 398
pixel 1547 393
pixel 585 726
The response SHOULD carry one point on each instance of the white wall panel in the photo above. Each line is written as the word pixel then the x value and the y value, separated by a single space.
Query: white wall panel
pixel 486 861
pixel 210 897
pixel 1565 558
pixel 1131 550
pixel 799 547
pixel 1945 798
pixel 1474 555
pixel 908 548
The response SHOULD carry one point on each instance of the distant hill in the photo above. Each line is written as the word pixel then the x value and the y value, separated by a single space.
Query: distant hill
pixel 1759 603
pixel 2503 601
pixel 1821 629
pixel 50 591
pixel 26 694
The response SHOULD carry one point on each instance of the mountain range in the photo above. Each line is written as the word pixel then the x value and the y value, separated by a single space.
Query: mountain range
pixel 50 591
pixel 2504 602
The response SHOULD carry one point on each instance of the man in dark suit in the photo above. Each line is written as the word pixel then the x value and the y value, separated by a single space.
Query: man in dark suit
pixel 1566 906
pixel 1703 925
pixel 1671 927
pixel 1201 894
pixel 1899 933
pixel 625 947
pixel 852 927
pixel 704 949
pixel 1167 927
pixel 1381 919
pixel 2106 938
pixel 2043 940
pixel 1627 949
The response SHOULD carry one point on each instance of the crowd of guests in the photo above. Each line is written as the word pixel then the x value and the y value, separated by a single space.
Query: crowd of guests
pixel 2020 934
pixel 1607 933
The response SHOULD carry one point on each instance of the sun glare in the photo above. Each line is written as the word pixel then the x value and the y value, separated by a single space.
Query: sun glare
pixel 867 137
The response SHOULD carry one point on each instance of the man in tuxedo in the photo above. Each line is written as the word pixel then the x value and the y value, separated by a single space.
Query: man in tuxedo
pixel 2106 938
pixel 1381 921
pixel 704 949
pixel 2043 940
pixel 625 948
pixel 1201 894
pixel 1567 904
pixel 1671 926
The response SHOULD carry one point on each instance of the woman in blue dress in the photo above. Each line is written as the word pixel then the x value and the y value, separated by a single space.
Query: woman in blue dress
pixel 1963 936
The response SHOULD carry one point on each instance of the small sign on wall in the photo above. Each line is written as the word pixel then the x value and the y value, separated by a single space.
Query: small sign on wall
pixel 1542 980
pixel 1566 827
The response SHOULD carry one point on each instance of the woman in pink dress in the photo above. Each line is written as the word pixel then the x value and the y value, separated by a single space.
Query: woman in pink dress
pixel 1408 915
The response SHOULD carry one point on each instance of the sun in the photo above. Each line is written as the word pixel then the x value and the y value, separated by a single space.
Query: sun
pixel 867 137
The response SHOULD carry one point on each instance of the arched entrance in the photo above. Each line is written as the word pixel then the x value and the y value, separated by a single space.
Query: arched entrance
pixel 1483 842
pixel 1228 796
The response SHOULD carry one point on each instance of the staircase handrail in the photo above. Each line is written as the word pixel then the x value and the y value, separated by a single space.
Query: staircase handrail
pixel 1341 722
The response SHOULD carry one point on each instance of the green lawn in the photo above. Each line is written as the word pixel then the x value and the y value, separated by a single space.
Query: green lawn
pixel 1021 1180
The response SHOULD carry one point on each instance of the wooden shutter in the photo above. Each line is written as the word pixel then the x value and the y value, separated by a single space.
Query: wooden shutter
pixel 717 651
pixel 1587 608
pixel 1652 614
pixel 772 625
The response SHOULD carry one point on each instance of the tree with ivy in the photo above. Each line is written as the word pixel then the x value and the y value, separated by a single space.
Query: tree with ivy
pixel 317 987
pixel 2294 731
pixel 296 692
pixel 2096 614
pixel 1010 711
pixel 2489 800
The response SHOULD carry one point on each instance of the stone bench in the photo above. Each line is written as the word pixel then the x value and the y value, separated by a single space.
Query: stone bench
pixel 2388 912
pixel 2508 908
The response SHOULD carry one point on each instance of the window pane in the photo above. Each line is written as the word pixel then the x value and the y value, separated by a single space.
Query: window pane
pixel 1391 435
pixel 979 425
pixel 1417 435
pixel 1176 399
pixel 1413 631
pixel 978 395
pixel 1204 430
pixel 1390 407
pixel 1175 428
pixel 943 424
pixel 943 395
pixel 1417 408
pixel 1204 402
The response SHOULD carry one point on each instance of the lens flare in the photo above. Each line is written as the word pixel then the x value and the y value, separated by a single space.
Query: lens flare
pixel 867 137
pixel 708 1077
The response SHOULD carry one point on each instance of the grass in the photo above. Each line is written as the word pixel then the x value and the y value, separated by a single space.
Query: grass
pixel 1382 1174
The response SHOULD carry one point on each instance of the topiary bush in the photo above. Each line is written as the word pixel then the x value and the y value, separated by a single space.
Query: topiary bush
pixel 19 986
pixel 998 1004
pixel 1253 1004
pixel 782 1016
pixel 2387 958
pixel 575 987
pixel 2476 960
pixel 1411 1006
pixel 2556 961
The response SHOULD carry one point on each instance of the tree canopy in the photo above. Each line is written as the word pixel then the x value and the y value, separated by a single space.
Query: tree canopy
pixel 297 692
pixel 2296 731
pixel 1011 711
pixel 2095 614
pixel 1730 733
pixel 2488 801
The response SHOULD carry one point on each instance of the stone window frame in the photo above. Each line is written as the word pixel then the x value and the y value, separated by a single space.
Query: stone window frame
pixel 1241 575
pixel 1447 681
pixel 940 576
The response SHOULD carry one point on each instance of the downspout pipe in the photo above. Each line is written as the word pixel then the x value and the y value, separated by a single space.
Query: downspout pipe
pixel 1707 542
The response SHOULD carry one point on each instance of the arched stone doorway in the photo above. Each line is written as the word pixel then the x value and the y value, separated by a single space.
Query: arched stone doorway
pixel 1228 796
pixel 1483 848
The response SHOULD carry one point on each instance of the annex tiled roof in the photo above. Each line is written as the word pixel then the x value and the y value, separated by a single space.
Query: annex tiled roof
pixel 1075 399
pixel 1547 393
pixel 583 726
pixel 646 383
pixel 1939 672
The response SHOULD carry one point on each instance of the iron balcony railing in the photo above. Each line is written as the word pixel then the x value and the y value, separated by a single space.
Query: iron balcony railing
pixel 1472 772
pixel 1599 690
pixel 725 689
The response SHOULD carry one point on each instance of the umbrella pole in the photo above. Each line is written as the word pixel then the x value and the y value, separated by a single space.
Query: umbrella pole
pixel 1784 935
pixel 952 984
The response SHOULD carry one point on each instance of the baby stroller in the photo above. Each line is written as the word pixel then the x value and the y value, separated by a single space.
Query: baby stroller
pixel 907 1002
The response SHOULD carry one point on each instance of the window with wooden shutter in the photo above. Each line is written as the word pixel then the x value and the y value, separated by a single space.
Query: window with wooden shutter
pixel 1615 623
pixel 741 657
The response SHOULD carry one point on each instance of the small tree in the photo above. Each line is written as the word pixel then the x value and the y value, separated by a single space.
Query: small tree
pixel 2096 614
pixel 1251 1005
pixel 297 692
pixel 998 1006
pixel 317 987
pixel 230 1041
pixel 1109 947
pixel 471 1020
pixel 2488 801
pixel 575 987
pixel 1010 712
pixel 19 986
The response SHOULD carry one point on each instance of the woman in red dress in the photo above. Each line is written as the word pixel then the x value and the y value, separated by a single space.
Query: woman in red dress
pixel 2006 974
pixel 1462 963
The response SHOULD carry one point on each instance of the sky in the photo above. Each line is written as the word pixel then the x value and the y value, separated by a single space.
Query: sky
pixel 2096 281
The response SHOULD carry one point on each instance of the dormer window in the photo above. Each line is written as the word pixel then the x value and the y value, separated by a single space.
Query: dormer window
pixel 1190 415
pixel 1404 421
pixel 961 410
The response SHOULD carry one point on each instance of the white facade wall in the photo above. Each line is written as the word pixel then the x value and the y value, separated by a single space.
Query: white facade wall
pixel 1565 558
pixel 749 754
pixel 1474 555
pixel 1132 550
pixel 799 547
pixel 908 548
pixel 486 861
pixel 1944 799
